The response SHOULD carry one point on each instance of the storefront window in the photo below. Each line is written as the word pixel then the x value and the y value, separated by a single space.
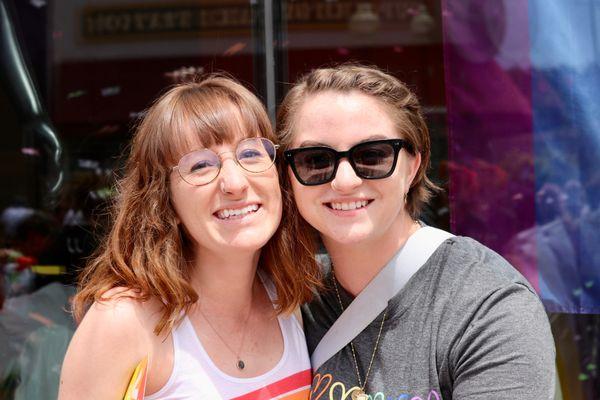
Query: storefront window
pixel 77 76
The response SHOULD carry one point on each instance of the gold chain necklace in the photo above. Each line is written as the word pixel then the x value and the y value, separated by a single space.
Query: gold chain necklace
pixel 360 393
pixel 240 364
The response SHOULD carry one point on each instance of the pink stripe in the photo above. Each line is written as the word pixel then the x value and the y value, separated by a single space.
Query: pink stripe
pixel 283 386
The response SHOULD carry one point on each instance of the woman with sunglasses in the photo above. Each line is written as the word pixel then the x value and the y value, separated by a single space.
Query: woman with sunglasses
pixel 195 274
pixel 460 324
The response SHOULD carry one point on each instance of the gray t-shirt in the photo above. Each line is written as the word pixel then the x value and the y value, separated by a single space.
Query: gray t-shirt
pixel 466 326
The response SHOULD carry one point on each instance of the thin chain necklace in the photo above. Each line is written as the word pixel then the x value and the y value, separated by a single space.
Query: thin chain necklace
pixel 360 393
pixel 240 364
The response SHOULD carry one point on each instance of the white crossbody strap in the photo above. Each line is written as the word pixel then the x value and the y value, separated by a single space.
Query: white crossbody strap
pixel 373 299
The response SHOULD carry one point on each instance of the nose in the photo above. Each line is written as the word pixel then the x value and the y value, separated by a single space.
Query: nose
pixel 345 179
pixel 232 179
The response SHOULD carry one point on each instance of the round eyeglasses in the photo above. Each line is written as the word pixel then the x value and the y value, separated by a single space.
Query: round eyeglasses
pixel 201 167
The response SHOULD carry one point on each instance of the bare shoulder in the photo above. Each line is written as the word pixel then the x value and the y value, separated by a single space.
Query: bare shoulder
pixel 122 318
pixel 123 308
pixel 114 335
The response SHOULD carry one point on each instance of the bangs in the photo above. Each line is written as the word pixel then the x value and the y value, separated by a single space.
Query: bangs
pixel 200 120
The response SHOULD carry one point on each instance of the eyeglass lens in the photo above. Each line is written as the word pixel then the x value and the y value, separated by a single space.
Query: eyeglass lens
pixel 202 166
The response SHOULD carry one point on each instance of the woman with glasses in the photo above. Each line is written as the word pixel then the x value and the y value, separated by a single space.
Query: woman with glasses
pixel 195 275
pixel 408 312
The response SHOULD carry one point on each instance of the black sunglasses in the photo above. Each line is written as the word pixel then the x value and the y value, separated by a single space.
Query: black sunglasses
pixel 317 165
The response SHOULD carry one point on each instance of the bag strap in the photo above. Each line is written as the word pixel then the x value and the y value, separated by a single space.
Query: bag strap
pixel 373 299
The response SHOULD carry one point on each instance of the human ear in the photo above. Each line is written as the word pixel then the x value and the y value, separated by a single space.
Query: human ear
pixel 414 164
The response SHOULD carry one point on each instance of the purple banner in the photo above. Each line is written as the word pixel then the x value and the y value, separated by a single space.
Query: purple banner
pixel 522 84
pixel 488 89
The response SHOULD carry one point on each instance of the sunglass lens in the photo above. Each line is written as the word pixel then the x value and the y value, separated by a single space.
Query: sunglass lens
pixel 314 166
pixel 373 160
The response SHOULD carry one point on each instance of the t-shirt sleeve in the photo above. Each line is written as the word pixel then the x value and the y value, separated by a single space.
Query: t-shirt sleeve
pixel 507 350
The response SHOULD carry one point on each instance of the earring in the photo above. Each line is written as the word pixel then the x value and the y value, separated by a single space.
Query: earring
pixel 406 197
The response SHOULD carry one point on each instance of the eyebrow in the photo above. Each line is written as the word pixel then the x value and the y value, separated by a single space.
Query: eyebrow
pixel 312 143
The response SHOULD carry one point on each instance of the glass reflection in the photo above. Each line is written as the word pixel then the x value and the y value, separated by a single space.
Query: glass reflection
pixel 19 84
pixel 97 66
pixel 522 80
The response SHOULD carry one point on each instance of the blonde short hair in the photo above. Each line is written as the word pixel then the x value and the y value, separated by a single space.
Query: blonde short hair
pixel 401 103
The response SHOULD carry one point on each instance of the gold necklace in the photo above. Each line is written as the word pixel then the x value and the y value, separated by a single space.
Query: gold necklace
pixel 240 364
pixel 360 393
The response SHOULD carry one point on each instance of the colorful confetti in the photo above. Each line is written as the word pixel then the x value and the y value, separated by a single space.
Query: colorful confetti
pixel 110 91
pixel 30 151
pixel 236 48
pixel 75 94
pixel 38 3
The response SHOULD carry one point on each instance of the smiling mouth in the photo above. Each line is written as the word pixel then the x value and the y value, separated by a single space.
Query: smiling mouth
pixel 348 206
pixel 237 213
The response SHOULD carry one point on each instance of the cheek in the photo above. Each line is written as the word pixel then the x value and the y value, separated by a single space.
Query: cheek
pixel 306 201
pixel 181 209
pixel 272 187
pixel 279 201
pixel 299 194
pixel 185 201
pixel 176 200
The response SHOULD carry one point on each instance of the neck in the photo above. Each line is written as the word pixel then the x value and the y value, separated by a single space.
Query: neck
pixel 225 282
pixel 356 264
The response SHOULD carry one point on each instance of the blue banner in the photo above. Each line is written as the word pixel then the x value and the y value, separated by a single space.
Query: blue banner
pixel 565 65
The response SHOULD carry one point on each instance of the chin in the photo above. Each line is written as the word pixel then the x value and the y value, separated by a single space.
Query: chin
pixel 349 237
pixel 243 249
pixel 247 242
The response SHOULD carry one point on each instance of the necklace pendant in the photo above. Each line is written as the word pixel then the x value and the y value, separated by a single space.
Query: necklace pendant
pixel 359 394
pixel 241 365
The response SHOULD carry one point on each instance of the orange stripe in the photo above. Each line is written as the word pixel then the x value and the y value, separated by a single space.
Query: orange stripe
pixel 299 395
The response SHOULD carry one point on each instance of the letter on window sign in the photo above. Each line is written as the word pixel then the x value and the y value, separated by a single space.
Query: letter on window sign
pixel 338 11
pixel 169 21
pixel 140 21
pixel 117 23
pixel 89 26
pixel 298 12
pixel 185 19
pixel 320 11
pixel 156 22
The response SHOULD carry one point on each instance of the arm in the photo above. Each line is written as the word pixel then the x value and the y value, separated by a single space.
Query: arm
pixel 507 351
pixel 104 351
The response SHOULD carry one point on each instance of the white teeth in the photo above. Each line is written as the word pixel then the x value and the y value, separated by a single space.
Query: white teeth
pixel 353 205
pixel 235 212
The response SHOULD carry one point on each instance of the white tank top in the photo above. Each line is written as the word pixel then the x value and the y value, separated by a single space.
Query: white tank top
pixel 196 377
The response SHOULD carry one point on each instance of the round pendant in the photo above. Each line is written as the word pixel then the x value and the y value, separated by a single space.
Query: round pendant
pixel 241 365
pixel 359 394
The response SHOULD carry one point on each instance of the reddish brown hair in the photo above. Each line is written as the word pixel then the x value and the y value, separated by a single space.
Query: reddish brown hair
pixel 146 249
